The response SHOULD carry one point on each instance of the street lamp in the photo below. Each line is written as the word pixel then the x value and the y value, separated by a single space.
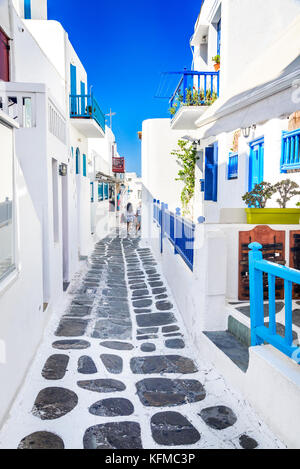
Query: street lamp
pixel 194 141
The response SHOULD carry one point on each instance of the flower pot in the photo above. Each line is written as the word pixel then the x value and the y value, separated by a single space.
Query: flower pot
pixel 217 67
pixel 273 216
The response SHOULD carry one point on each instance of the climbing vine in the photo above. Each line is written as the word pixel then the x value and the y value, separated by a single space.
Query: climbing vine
pixel 186 156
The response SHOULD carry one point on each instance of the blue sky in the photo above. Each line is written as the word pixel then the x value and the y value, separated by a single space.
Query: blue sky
pixel 124 46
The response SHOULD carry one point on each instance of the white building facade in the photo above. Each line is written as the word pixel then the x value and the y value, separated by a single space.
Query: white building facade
pixel 50 126
pixel 239 118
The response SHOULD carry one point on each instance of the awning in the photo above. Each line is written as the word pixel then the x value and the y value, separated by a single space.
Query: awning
pixel 102 177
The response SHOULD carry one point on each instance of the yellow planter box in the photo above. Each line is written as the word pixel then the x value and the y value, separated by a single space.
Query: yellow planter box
pixel 273 216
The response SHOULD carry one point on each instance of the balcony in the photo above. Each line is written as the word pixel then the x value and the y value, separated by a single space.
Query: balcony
pixel 87 116
pixel 192 96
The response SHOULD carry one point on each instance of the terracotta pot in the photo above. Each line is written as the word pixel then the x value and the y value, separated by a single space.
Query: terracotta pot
pixel 217 67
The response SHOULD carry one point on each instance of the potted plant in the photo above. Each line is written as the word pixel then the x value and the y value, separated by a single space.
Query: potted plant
pixel 257 213
pixel 216 60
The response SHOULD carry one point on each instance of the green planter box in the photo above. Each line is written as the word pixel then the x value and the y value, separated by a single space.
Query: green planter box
pixel 273 216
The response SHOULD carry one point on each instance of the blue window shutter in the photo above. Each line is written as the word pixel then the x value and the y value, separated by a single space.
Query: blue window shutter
pixel 27 9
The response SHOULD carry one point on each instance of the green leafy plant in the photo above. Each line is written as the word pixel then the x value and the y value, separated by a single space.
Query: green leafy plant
pixel 259 195
pixel 216 59
pixel 186 156
pixel 286 189
pixel 193 97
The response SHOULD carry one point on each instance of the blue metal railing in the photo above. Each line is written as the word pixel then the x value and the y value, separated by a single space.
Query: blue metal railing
pixel 259 332
pixel 195 89
pixel 233 166
pixel 290 155
pixel 178 230
pixel 85 106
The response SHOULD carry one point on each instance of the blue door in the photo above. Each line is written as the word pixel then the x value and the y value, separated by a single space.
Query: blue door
pixel 256 162
pixel 77 161
pixel 83 165
pixel 211 173
pixel 73 90
pixel 219 37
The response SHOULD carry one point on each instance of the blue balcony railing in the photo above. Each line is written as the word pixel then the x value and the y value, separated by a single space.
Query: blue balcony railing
pixel 195 89
pixel 290 156
pixel 260 333
pixel 85 106
pixel 178 230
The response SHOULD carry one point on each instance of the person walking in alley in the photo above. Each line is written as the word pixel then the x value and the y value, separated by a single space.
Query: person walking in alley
pixel 129 217
pixel 138 218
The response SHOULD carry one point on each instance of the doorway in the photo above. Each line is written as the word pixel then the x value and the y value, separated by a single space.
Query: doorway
pixel 256 162
pixel 65 230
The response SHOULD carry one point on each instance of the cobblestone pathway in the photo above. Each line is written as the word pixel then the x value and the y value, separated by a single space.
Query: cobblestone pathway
pixel 116 370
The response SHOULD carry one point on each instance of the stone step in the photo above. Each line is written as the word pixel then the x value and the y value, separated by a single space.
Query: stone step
pixel 231 347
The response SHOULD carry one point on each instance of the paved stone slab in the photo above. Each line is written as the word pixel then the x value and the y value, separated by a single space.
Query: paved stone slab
pixel 155 319
pixel 53 403
pixel 112 407
pixel 138 286
pixel 148 330
pixel 142 303
pixel 71 327
pixel 139 293
pixel 148 347
pixel 175 343
pixel 86 365
pixel 78 311
pixel 147 337
pixel 114 345
pixel 113 363
pixel 102 385
pixel 142 311
pixel 71 344
pixel 219 417
pixel 163 305
pixel 83 300
pixel 170 329
pixel 161 297
pixel 55 367
pixel 109 329
pixel 113 435
pixel 156 284
pixel 247 442
pixel 41 440
pixel 160 392
pixel 173 429
pixel 162 364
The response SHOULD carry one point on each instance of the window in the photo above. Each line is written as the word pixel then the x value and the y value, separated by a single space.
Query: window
pixel 290 156
pixel 4 57
pixel 219 35
pixel 7 259
pixel 27 9
pixel 92 191
pixel 233 166
pixel 100 191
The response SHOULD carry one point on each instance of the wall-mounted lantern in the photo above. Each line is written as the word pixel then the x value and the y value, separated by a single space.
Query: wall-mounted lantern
pixel 63 169
pixel 246 132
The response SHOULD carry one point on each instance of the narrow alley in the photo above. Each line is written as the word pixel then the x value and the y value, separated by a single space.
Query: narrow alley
pixel 115 370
